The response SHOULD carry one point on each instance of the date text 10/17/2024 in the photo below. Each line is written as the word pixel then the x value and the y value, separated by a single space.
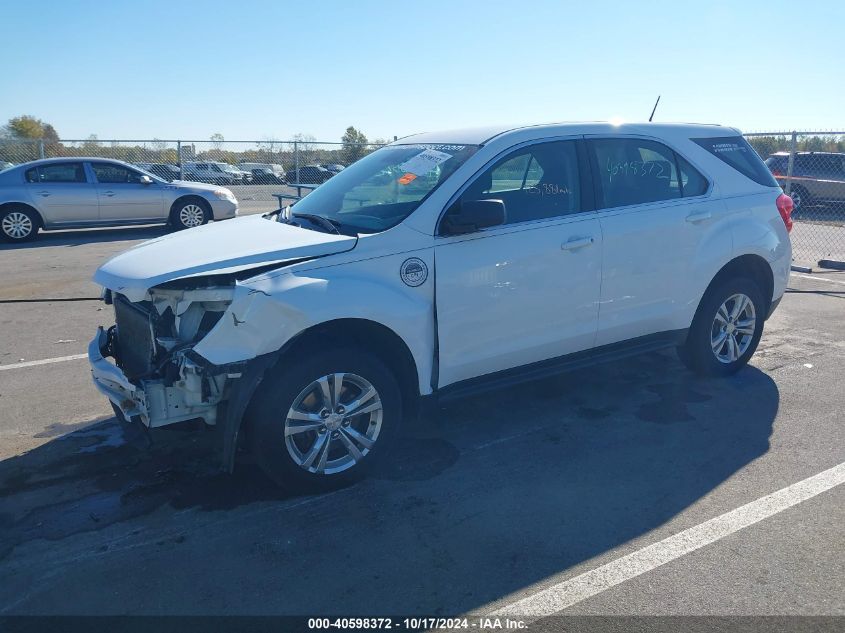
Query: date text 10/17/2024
pixel 418 623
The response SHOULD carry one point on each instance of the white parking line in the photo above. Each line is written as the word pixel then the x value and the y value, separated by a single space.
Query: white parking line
pixel 817 278
pixel 569 592
pixel 45 361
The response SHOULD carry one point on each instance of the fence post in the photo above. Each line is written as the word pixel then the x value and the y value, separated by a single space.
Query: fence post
pixel 791 163
pixel 296 158
pixel 41 148
pixel 179 158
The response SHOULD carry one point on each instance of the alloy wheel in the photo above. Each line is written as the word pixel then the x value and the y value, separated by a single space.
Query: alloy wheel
pixel 17 225
pixel 191 215
pixel 733 328
pixel 333 423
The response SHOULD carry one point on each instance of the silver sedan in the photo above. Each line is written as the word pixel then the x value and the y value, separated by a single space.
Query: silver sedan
pixel 63 193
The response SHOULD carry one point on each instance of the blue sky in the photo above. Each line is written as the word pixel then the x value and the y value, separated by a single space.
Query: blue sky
pixel 256 69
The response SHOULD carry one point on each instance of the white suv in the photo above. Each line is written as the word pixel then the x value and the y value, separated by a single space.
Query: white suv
pixel 490 256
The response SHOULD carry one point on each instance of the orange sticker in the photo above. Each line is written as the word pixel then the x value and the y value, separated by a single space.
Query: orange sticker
pixel 404 180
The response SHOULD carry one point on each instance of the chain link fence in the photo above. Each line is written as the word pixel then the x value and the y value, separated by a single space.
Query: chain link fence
pixel 258 172
pixel 810 166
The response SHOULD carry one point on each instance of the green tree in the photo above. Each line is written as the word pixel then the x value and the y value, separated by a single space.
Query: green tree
pixel 30 128
pixel 354 145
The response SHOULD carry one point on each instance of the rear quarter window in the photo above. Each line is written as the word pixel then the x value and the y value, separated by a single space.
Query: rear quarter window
pixel 736 152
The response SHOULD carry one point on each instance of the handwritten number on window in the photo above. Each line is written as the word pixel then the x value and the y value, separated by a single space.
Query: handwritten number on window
pixel 648 168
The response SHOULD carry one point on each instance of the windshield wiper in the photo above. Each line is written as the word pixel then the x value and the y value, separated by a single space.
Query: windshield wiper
pixel 328 224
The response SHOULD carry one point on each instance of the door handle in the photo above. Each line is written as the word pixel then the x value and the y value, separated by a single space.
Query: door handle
pixel 576 243
pixel 108 193
pixel 44 194
pixel 698 217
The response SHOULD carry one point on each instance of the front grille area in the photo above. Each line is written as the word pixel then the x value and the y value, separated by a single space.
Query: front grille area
pixel 135 348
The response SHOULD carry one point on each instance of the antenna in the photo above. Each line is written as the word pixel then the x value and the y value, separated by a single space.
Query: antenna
pixel 655 108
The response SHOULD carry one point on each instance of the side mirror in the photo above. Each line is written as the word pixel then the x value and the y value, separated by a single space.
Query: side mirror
pixel 472 215
pixel 146 180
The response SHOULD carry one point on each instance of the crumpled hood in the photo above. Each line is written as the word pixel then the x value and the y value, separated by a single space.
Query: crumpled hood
pixel 221 247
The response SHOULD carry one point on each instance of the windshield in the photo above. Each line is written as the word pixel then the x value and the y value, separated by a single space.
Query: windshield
pixel 385 187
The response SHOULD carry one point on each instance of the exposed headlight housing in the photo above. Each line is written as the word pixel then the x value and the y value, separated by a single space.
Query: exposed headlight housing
pixel 224 194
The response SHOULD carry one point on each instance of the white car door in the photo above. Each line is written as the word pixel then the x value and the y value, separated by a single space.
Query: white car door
pixel 124 197
pixel 527 290
pixel 652 223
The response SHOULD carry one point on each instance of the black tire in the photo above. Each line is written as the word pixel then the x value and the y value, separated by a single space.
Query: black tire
pixel 182 211
pixel 698 353
pixel 15 219
pixel 266 417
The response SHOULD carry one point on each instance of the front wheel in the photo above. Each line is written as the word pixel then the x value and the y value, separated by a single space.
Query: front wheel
pixel 189 213
pixel 726 328
pixel 322 423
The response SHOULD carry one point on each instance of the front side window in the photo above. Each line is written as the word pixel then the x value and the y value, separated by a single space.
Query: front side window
pixel 536 182
pixel 109 173
pixel 634 171
pixel 56 173
pixel 384 187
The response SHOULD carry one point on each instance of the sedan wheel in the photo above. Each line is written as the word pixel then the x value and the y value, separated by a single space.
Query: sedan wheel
pixel 190 215
pixel 333 423
pixel 18 226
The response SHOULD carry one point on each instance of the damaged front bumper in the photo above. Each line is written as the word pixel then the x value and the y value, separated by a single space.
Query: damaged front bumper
pixel 153 402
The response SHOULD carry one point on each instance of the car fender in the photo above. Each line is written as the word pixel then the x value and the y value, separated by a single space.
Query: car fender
pixel 267 314
pixel 713 251
pixel 759 230
pixel 27 200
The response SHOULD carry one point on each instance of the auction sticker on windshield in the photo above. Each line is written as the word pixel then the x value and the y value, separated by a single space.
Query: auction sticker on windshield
pixel 424 162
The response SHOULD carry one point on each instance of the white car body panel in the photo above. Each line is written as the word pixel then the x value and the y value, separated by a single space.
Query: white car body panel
pixel 653 273
pixel 512 295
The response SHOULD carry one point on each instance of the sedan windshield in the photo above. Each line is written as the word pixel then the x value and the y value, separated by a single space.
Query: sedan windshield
pixel 385 187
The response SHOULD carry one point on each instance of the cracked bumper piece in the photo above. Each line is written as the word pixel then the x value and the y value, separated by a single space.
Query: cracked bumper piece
pixel 153 402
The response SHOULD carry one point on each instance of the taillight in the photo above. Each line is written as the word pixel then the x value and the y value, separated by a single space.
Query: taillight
pixel 784 205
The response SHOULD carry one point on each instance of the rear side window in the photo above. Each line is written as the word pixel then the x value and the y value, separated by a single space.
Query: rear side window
pixel 736 152
pixel 56 172
pixel 634 171
pixel 692 182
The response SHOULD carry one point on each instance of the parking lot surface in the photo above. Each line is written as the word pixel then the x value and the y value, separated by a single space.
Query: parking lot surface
pixel 492 502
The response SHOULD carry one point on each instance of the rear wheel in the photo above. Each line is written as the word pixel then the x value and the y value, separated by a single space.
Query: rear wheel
pixel 322 423
pixel 18 224
pixel 726 329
